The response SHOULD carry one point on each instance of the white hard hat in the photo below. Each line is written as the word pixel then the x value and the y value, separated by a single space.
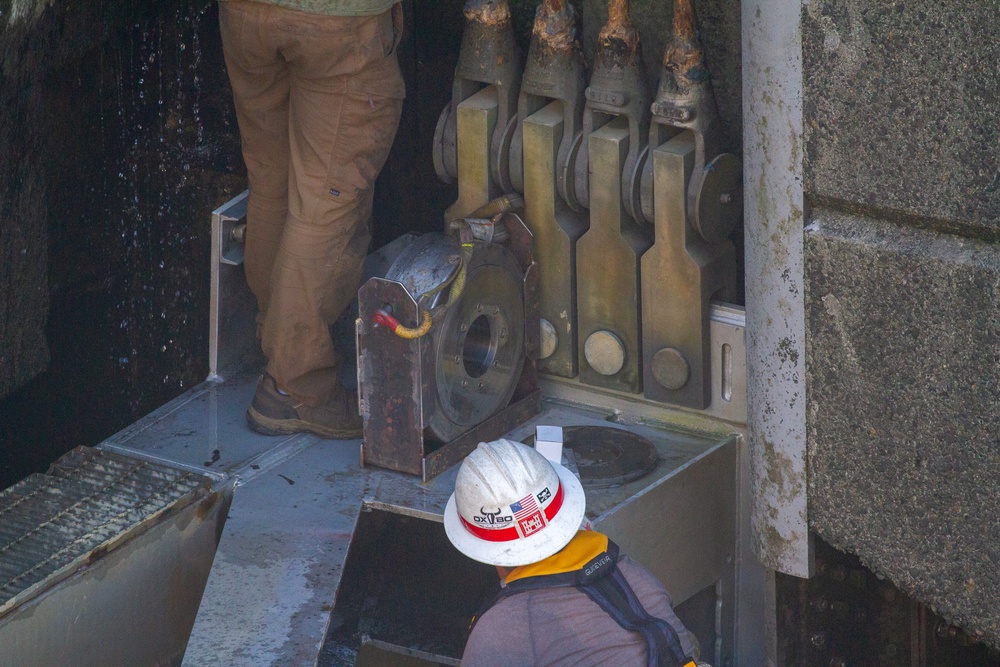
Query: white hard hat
pixel 511 506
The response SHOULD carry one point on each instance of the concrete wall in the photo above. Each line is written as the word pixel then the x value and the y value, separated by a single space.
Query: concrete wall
pixel 902 270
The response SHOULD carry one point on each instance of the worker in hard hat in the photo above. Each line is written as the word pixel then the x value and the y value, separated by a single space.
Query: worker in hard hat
pixel 567 596
pixel 318 94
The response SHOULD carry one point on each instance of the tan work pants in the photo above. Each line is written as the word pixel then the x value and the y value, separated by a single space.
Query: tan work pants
pixel 318 100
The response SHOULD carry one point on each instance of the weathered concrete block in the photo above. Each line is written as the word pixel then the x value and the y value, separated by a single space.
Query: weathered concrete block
pixel 901 107
pixel 903 352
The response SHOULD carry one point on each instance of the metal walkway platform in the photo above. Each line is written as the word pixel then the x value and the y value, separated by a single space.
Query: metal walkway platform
pixel 273 586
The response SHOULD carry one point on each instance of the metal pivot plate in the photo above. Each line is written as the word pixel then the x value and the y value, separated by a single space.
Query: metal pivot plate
pixel 719 204
pixel 607 456
pixel 479 344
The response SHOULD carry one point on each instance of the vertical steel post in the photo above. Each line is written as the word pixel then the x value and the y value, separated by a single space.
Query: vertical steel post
pixel 693 195
pixel 607 171
pixel 488 58
pixel 550 113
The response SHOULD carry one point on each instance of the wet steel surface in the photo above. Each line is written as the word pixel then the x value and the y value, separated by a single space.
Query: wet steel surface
pixel 86 499
pixel 106 546
pixel 271 592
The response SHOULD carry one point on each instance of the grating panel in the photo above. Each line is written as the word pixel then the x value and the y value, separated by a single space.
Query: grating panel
pixel 86 499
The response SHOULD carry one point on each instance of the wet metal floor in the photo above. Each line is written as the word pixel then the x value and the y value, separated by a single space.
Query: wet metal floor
pixel 273 584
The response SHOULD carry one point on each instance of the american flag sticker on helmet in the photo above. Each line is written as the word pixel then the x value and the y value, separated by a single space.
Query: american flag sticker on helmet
pixel 527 515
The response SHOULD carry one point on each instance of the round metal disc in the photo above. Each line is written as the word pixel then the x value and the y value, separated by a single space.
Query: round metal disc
pixel 632 195
pixel 720 198
pixel 479 344
pixel 607 456
pixel 549 338
pixel 567 175
pixel 670 368
pixel 500 168
pixel 443 149
pixel 605 352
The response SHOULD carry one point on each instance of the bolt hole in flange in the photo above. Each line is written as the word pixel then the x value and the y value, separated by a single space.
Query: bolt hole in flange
pixel 479 349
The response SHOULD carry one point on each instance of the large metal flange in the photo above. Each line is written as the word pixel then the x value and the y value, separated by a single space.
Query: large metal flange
pixel 632 188
pixel 445 148
pixel 479 344
pixel 566 182
pixel 500 149
pixel 719 199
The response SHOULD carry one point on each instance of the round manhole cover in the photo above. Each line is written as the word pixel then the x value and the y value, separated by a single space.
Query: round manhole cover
pixel 607 456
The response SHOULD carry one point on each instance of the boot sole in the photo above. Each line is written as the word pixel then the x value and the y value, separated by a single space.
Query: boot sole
pixel 267 426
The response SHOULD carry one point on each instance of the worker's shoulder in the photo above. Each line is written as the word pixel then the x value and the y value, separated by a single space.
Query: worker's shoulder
pixel 640 578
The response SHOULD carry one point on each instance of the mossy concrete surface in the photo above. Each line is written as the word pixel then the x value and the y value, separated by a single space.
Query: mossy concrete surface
pixel 24 296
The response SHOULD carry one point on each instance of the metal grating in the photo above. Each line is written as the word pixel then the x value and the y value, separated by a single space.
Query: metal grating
pixel 86 499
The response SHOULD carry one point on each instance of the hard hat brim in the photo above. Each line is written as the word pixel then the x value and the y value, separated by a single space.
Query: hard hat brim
pixel 557 534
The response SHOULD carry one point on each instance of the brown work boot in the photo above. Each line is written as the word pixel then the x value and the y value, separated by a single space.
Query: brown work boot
pixel 274 413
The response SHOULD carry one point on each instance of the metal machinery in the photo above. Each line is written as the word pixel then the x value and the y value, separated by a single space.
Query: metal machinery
pixel 630 214
pixel 596 290
pixel 428 397
pixel 587 304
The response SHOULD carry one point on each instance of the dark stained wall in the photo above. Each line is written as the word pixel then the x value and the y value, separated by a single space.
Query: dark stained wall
pixel 117 140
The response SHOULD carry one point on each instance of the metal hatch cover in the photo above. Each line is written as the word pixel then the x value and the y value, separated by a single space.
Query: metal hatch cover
pixel 606 456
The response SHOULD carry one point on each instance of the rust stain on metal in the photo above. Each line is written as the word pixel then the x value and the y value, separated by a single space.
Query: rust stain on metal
pixel 684 53
pixel 487 12
pixel 555 26
pixel 618 36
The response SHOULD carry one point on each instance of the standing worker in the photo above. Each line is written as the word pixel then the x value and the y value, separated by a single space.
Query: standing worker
pixel 567 596
pixel 318 95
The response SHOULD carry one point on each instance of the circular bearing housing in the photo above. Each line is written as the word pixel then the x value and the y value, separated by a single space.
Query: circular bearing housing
pixel 479 345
